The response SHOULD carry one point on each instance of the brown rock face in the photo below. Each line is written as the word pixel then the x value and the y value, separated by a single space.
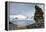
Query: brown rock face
pixel 38 17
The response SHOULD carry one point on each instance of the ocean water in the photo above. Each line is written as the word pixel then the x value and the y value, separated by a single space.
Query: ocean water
pixel 23 22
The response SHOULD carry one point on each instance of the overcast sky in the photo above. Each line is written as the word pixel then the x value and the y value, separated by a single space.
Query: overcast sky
pixel 22 9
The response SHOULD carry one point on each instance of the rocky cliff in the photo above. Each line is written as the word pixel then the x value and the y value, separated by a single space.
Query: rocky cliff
pixel 38 17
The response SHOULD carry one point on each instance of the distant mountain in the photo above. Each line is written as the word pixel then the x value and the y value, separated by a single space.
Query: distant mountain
pixel 17 17
pixel 20 17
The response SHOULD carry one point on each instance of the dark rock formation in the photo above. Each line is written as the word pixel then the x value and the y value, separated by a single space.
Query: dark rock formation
pixel 12 26
pixel 38 17
pixel 35 25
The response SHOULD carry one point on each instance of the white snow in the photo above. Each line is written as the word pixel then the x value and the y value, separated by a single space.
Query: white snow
pixel 18 16
pixel 22 20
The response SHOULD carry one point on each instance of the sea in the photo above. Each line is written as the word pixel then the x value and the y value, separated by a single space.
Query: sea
pixel 23 22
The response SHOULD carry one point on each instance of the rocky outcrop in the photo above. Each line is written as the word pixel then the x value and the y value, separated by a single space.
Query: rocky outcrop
pixel 38 17
pixel 35 25
pixel 12 26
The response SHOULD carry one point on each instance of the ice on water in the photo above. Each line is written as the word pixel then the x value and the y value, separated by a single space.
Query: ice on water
pixel 21 20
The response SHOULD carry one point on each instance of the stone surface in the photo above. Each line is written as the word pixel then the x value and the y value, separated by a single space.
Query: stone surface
pixel 38 14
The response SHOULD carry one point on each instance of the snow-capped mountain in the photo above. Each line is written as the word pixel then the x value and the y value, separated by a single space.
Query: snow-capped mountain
pixel 17 17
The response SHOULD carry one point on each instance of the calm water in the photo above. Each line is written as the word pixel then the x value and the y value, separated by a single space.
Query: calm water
pixel 23 22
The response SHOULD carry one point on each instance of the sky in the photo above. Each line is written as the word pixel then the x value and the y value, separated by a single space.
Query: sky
pixel 22 9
